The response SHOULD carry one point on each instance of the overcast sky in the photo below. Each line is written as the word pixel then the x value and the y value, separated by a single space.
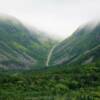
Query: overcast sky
pixel 57 17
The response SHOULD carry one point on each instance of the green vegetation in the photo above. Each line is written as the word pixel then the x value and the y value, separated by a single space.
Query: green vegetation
pixel 64 82
pixel 19 43
pixel 88 57
pixel 74 67
pixel 82 40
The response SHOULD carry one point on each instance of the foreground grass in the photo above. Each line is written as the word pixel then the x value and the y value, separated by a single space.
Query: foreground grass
pixel 59 83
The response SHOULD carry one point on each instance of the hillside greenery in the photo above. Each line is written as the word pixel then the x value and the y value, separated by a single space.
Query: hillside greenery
pixel 74 68
pixel 20 47
pixel 73 82
pixel 84 39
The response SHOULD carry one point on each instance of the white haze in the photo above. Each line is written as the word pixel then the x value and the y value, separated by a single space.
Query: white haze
pixel 56 17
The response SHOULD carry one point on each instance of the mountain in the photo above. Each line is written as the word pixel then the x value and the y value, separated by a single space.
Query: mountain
pixel 84 39
pixel 88 57
pixel 21 46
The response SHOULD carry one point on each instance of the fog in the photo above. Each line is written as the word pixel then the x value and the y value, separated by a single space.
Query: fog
pixel 57 17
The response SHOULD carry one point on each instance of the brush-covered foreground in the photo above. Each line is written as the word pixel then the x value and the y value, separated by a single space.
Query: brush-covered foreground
pixel 57 83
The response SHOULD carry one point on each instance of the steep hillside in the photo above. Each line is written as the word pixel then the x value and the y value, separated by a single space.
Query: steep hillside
pixel 83 39
pixel 88 57
pixel 21 47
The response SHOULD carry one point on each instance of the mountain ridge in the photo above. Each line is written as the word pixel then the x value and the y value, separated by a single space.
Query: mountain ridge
pixel 20 47
pixel 84 38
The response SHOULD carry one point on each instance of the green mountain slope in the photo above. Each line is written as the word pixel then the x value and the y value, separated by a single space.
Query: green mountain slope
pixel 21 47
pixel 88 57
pixel 83 39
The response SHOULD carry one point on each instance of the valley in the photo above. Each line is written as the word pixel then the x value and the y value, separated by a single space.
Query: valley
pixel 33 66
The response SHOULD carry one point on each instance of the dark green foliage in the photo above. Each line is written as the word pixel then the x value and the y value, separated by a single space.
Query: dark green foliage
pixel 55 83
